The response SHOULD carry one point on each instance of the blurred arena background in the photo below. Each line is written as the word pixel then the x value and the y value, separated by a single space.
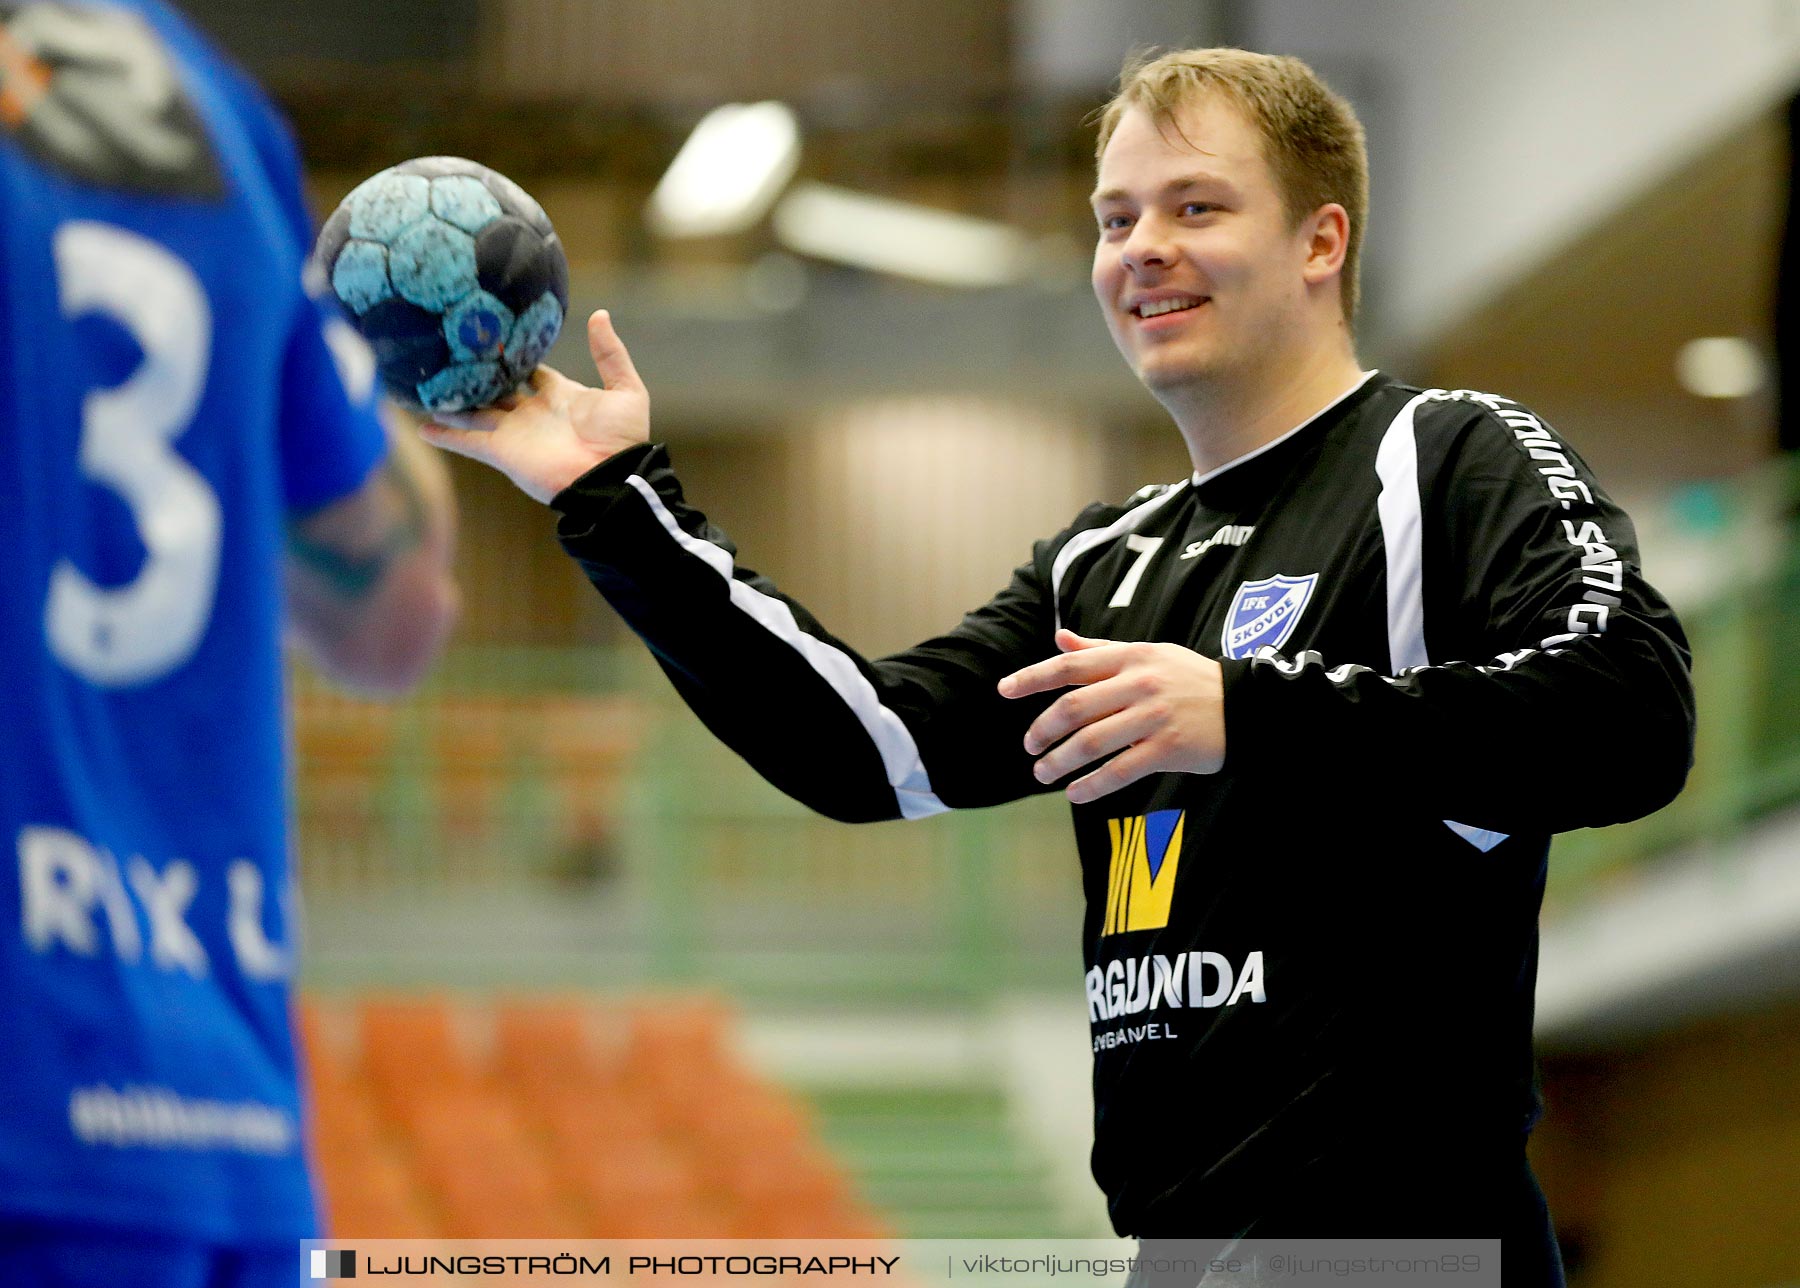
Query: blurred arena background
pixel 572 969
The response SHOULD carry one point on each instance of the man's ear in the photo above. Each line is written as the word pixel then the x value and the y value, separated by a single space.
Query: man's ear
pixel 1328 241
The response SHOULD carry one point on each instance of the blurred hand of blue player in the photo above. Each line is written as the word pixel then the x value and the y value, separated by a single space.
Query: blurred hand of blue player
pixel 1161 707
pixel 546 439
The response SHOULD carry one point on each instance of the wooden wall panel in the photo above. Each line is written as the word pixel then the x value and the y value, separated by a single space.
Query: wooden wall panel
pixel 888 518
pixel 910 512
pixel 1677 1160
pixel 683 50
pixel 518 586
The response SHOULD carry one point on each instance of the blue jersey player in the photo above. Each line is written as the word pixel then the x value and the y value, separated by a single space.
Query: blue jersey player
pixel 191 462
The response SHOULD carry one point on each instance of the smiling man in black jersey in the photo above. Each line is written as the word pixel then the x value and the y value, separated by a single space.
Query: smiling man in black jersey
pixel 1318 707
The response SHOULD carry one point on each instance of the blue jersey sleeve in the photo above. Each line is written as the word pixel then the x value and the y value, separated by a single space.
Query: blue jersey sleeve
pixel 331 436
pixel 330 433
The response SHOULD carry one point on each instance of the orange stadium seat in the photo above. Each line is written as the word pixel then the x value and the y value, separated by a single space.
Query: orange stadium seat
pixel 738 1117
pixel 547 1044
pixel 555 1134
pixel 327 1062
pixel 307 1022
pixel 678 1047
pixel 588 1118
pixel 504 1196
pixel 458 1123
pixel 411 1041
pixel 645 1169
pixel 371 1193
pixel 795 1178
pixel 344 1112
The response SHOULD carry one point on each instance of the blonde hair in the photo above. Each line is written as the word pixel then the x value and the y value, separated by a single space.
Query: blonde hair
pixel 1311 137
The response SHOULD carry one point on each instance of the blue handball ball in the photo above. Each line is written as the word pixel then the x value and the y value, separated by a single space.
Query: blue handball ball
pixel 453 275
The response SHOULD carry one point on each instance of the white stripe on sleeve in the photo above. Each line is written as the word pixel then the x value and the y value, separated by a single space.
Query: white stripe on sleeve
pixel 899 753
pixel 1403 537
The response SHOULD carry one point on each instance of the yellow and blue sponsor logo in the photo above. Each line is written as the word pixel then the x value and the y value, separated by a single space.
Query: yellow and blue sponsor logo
pixel 1146 851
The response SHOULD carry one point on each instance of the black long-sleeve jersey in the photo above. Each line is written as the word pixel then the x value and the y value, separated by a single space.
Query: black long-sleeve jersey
pixel 1310 975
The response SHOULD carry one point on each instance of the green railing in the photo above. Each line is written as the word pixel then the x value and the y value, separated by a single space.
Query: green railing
pixel 745 884
pixel 556 817
pixel 1746 643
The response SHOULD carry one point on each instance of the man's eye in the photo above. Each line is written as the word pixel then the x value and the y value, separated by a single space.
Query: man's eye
pixel 1197 207
pixel 1114 221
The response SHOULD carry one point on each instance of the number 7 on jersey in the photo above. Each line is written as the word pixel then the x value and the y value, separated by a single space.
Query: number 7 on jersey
pixel 1146 548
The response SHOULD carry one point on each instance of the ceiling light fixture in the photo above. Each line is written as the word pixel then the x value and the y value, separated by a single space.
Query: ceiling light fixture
pixel 732 167
pixel 1720 366
pixel 899 237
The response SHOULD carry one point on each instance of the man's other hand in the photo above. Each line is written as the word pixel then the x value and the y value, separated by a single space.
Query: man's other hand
pixel 1160 707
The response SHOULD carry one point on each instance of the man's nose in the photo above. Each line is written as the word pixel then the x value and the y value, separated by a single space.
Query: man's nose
pixel 1148 247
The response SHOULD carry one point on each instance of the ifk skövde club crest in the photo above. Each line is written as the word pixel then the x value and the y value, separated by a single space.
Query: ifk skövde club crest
pixel 1264 613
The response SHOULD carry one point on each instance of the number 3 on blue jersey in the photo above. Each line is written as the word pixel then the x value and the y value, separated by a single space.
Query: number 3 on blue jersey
pixel 123 635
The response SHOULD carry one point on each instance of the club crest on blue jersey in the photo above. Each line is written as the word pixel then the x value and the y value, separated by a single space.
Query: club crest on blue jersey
pixel 1264 613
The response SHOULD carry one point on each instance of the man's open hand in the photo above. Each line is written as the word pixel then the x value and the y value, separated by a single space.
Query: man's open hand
pixel 1161 707
pixel 545 440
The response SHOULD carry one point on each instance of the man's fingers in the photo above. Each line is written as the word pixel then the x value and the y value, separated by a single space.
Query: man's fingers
pixel 1075 708
pixel 482 421
pixel 1091 742
pixel 1069 642
pixel 1082 667
pixel 610 358
pixel 546 381
pixel 525 390
pixel 1122 770
pixel 476 444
